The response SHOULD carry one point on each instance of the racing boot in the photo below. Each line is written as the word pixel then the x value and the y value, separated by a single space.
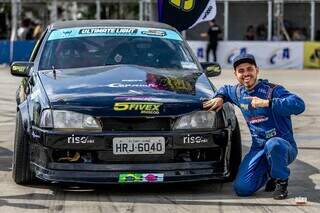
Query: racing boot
pixel 271 185
pixel 281 191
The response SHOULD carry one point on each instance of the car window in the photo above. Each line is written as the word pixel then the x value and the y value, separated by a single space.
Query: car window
pixel 149 48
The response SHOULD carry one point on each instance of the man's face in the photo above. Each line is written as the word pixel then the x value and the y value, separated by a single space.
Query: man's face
pixel 247 74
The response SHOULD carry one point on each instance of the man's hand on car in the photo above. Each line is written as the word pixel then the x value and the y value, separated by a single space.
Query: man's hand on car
pixel 213 104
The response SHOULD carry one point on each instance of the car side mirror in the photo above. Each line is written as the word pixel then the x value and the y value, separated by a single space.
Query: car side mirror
pixel 21 68
pixel 211 69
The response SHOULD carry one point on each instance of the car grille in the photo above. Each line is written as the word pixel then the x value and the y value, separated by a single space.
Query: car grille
pixel 136 124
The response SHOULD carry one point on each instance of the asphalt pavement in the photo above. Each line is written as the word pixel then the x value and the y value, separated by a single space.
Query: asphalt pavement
pixel 187 197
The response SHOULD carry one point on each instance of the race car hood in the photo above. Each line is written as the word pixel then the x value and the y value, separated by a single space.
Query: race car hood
pixel 125 90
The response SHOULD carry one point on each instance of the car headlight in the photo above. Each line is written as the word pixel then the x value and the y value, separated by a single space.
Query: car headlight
pixel 197 120
pixel 61 119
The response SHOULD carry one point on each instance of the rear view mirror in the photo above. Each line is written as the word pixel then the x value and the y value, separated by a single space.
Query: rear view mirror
pixel 211 69
pixel 21 68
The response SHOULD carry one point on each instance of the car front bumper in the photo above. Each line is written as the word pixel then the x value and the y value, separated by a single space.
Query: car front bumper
pixel 110 167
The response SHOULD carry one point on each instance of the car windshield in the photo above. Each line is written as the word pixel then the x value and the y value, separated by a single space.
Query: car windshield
pixel 89 47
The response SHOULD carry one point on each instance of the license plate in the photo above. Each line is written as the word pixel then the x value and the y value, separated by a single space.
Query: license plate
pixel 138 145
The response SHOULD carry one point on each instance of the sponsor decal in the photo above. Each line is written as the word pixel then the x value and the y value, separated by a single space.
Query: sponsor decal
pixel 262 90
pixel 67 33
pixel 137 98
pixel 184 5
pixel 280 55
pixel 154 33
pixel 244 106
pixel 258 119
pixel 143 107
pixel 188 65
pixel 121 85
pixel 79 32
pixel 109 31
pixel 207 12
pixel 271 133
pixel 194 139
pixel 80 140
pixel 18 68
pixel 311 54
pixel 179 85
pixel 140 178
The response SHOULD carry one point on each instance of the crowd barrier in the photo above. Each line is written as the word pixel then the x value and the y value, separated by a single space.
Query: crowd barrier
pixel 21 51
pixel 269 55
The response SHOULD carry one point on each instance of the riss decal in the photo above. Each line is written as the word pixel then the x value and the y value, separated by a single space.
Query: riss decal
pixel 191 139
pixel 80 140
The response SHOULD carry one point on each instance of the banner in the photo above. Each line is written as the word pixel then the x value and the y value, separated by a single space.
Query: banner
pixel 21 51
pixel 269 55
pixel 312 54
pixel 185 14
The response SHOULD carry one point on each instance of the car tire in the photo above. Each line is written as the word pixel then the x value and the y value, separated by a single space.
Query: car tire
pixel 235 152
pixel 21 172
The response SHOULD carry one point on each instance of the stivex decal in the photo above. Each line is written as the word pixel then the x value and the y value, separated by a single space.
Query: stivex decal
pixel 143 107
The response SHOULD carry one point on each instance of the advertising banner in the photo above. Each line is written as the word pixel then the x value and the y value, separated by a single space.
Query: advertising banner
pixel 312 54
pixel 21 51
pixel 269 55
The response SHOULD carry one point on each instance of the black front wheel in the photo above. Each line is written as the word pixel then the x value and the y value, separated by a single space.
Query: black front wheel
pixel 235 152
pixel 21 172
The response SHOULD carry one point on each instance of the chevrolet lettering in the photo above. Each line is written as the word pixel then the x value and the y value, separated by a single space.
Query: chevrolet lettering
pixel 118 101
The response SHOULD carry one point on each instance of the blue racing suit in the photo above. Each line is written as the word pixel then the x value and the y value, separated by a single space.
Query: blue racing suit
pixel 273 145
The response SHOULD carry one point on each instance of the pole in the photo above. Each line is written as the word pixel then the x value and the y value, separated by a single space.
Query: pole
pixel 226 20
pixel 98 10
pixel 141 10
pixel 53 14
pixel 14 26
pixel 312 16
pixel 269 20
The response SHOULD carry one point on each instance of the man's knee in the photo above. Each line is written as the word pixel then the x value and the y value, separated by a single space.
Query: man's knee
pixel 242 188
pixel 275 144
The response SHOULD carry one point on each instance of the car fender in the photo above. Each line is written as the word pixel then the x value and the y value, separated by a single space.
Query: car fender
pixel 230 115
pixel 23 109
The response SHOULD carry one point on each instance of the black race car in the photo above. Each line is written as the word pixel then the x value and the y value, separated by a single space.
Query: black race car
pixel 119 102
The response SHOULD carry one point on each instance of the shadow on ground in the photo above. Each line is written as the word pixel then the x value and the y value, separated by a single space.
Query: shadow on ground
pixel 200 193
pixel 5 159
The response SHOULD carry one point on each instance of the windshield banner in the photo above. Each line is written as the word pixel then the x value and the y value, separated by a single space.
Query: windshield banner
pixel 114 31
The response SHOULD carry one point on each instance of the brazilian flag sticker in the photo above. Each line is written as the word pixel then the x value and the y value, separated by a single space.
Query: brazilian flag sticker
pixel 140 178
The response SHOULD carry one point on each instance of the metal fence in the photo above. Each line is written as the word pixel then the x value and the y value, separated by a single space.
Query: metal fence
pixel 234 16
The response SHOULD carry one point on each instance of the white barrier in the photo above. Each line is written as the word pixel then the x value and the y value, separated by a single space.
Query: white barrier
pixel 269 55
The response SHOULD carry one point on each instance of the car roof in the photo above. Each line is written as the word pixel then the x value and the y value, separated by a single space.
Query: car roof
pixel 109 23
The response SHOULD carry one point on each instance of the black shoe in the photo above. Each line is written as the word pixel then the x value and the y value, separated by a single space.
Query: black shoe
pixel 281 191
pixel 271 185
